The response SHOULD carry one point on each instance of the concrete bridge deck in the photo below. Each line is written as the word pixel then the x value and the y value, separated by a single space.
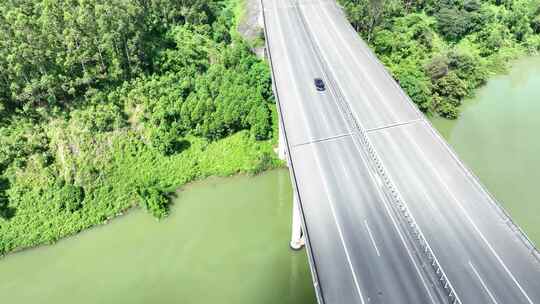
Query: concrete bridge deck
pixel 389 213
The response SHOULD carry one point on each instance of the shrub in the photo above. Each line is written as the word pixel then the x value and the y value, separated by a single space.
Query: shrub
pixel 437 67
pixel 417 86
pixel 71 197
pixel 166 141
pixel 100 117
pixel 154 201
pixel 259 119
pixel 447 110
pixel 143 96
pixel 451 87
pixel 5 211
pixel 264 162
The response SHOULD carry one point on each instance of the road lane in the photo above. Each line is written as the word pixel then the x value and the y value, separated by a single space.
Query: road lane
pixel 362 250
pixel 350 77
pixel 309 107
pixel 348 273
pixel 384 105
pixel 463 224
pixel 390 277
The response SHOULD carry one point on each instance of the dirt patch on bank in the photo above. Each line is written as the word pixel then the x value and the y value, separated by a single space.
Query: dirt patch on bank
pixel 251 25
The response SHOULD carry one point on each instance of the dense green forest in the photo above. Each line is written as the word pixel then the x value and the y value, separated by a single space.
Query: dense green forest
pixel 441 50
pixel 109 104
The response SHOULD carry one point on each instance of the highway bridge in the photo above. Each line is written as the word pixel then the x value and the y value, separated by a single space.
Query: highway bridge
pixel 388 212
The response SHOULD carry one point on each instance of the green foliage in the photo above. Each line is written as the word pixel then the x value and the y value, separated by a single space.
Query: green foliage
pixel 107 105
pixel 167 141
pixel 99 117
pixel 437 67
pixel 218 100
pixel 535 23
pixel 415 83
pixel 446 110
pixel 451 87
pixel 154 201
pixel 455 21
pixel 265 161
pixel 4 199
pixel 191 51
pixel 440 51
pixel 114 170
pixel 55 51
pixel 67 196
pixel 468 67
pixel 366 15
pixel 19 141
pixel 452 23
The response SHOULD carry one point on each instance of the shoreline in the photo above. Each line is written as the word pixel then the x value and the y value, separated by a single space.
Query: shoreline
pixel 137 208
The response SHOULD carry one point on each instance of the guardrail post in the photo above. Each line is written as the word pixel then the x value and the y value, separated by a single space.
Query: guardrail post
pixel 297 238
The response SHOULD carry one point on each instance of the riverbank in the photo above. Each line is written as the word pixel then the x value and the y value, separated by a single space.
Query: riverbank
pixel 115 189
pixel 203 108
pixel 216 236
pixel 128 120
pixel 440 52
pixel 217 219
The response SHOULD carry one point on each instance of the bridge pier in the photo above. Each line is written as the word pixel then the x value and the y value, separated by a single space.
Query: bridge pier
pixel 282 146
pixel 297 237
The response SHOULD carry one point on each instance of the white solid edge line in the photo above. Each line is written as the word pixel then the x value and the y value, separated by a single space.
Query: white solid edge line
pixel 372 239
pixel 338 226
pixel 461 207
pixel 381 195
pixel 469 219
pixel 482 282
pixel 359 65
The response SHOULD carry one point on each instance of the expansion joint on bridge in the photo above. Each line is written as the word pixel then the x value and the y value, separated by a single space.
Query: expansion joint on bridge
pixel 394 125
pixel 323 139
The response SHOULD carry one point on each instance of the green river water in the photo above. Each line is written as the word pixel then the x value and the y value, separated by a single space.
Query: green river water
pixel 226 240
pixel 498 137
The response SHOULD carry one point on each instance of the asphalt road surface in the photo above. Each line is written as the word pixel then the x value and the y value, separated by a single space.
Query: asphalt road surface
pixel 360 154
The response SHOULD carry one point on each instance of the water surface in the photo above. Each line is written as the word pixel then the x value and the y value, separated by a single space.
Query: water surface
pixel 226 241
pixel 498 137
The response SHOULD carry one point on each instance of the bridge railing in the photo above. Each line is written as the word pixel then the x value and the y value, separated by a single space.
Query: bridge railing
pixel 368 148
pixel 502 211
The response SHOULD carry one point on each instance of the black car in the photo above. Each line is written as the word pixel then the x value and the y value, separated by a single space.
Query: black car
pixel 319 84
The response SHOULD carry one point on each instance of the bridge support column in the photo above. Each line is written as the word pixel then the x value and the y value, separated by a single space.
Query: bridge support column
pixel 297 237
pixel 282 146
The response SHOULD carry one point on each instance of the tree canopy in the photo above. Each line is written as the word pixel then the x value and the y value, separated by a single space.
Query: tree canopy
pixel 108 104
pixel 440 51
